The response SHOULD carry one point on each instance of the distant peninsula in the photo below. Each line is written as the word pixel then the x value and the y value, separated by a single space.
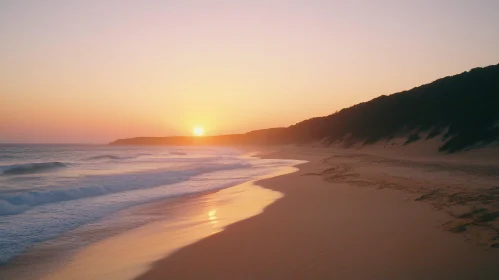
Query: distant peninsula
pixel 461 110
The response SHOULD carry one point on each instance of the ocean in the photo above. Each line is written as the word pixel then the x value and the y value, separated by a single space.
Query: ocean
pixel 49 190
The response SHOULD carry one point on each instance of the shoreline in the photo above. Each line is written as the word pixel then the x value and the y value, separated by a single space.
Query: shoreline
pixel 40 261
pixel 332 229
pixel 185 221
pixel 333 213
pixel 48 254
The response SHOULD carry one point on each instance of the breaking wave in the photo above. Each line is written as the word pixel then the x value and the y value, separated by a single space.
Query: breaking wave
pixel 48 190
pixel 102 157
pixel 115 157
pixel 30 168
pixel 92 186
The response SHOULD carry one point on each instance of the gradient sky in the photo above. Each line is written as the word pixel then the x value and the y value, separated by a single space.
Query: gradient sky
pixel 93 71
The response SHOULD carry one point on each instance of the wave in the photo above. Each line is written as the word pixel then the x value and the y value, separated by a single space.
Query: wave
pixel 102 157
pixel 178 153
pixel 115 157
pixel 30 168
pixel 93 186
pixel 7 157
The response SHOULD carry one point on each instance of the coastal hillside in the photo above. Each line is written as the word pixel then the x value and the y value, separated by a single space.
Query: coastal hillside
pixel 462 111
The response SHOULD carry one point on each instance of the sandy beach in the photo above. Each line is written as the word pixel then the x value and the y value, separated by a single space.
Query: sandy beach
pixel 357 216
pixel 370 213
pixel 249 140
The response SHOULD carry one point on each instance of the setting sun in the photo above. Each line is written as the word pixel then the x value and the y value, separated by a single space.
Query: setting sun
pixel 208 114
pixel 198 131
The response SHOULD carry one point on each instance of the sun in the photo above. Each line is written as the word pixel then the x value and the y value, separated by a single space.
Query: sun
pixel 198 131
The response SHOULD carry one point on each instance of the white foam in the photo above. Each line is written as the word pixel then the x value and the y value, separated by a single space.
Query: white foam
pixel 91 186
pixel 98 181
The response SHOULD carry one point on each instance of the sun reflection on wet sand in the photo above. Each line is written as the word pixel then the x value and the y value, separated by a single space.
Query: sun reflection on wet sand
pixel 188 220
pixel 212 216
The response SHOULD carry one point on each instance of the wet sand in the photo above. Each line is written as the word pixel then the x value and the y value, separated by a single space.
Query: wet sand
pixel 355 216
pixel 172 225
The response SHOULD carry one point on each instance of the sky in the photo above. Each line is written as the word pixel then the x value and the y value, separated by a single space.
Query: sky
pixel 94 71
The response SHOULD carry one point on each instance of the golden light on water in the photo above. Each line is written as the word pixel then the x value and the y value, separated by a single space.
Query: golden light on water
pixel 212 215
pixel 198 131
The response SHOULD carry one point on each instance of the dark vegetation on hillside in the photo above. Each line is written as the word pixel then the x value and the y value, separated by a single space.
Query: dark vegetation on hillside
pixel 463 110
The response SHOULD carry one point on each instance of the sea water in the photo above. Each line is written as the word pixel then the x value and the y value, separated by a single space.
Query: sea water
pixel 48 190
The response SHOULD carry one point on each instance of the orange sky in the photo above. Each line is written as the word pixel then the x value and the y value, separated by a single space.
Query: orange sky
pixel 94 71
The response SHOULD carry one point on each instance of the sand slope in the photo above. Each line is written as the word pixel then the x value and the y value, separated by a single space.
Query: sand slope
pixel 335 223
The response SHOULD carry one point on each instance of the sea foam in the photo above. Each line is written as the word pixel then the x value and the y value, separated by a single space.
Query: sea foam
pixel 91 186
pixel 48 190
